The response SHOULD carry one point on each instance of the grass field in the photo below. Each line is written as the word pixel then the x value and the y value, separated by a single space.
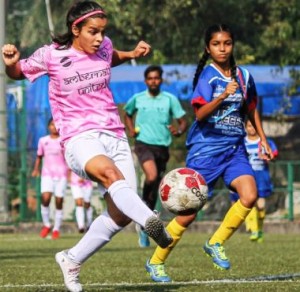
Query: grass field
pixel 27 264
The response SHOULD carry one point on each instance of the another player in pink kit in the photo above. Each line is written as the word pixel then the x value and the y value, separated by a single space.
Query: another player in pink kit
pixel 78 64
pixel 53 179
pixel 82 190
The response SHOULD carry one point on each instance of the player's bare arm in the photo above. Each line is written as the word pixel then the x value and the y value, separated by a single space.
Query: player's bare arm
pixel 11 56
pixel 141 50
pixel 206 110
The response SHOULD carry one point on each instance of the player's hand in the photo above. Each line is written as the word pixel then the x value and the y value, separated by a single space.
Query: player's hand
pixel 231 88
pixel 35 173
pixel 10 55
pixel 132 133
pixel 173 131
pixel 265 152
pixel 141 50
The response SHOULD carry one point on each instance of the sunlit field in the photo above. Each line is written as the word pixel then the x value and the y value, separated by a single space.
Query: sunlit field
pixel 27 264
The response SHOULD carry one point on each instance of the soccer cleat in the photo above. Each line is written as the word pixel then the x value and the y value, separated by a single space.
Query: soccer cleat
pixel 156 230
pixel 254 236
pixel 55 234
pixel 260 237
pixel 157 272
pixel 45 231
pixel 217 253
pixel 70 271
pixel 143 237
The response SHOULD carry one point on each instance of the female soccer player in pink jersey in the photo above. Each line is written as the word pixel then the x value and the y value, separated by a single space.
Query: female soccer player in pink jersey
pixel 53 178
pixel 78 64
pixel 82 190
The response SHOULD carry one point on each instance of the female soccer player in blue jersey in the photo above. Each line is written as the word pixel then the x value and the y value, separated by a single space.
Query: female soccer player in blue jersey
pixel 223 96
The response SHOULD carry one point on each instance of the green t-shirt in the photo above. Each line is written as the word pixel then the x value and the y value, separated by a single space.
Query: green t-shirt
pixel 153 115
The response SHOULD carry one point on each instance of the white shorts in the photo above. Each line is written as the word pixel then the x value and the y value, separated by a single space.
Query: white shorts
pixel 83 147
pixel 56 186
pixel 84 193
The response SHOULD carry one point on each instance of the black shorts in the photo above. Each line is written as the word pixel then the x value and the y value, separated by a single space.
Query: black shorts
pixel 160 154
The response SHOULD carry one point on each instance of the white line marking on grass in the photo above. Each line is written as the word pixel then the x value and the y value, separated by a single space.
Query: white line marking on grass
pixel 258 279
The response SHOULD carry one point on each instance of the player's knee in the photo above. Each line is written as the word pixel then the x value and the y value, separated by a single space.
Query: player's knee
pixel 248 200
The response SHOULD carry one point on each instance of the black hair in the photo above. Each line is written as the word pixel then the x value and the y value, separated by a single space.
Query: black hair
pixel 208 36
pixel 79 9
pixel 153 68
pixel 49 121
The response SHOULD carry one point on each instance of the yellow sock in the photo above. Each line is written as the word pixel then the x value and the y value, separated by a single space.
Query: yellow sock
pixel 261 216
pixel 160 254
pixel 248 221
pixel 233 219
pixel 254 220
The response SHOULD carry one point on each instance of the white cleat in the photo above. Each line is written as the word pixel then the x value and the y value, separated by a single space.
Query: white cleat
pixel 70 271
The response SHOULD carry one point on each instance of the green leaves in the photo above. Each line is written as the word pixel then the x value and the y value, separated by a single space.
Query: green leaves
pixel 267 31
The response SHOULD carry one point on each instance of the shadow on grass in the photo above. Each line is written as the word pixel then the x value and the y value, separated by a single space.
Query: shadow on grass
pixel 143 287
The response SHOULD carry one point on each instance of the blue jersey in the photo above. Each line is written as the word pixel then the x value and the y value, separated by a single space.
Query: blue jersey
pixel 225 127
pixel 253 148
pixel 260 168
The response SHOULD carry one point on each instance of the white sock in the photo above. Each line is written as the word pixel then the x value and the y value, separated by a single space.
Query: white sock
pixel 45 212
pixel 129 202
pixel 89 216
pixel 100 233
pixel 58 219
pixel 79 214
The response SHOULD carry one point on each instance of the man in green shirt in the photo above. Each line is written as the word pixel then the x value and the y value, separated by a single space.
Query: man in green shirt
pixel 148 117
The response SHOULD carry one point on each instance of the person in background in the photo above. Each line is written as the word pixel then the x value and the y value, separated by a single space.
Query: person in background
pixel 93 137
pixel 255 219
pixel 224 94
pixel 50 164
pixel 150 117
pixel 82 190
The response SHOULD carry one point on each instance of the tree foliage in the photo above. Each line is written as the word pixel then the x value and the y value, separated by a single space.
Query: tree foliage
pixel 267 31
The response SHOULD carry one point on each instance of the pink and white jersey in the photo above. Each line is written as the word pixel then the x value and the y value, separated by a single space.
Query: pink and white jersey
pixel 76 180
pixel 79 92
pixel 54 164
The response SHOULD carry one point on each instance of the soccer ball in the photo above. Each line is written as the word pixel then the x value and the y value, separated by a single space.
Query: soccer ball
pixel 183 191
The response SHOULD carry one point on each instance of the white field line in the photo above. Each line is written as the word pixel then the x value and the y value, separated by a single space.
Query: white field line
pixel 259 279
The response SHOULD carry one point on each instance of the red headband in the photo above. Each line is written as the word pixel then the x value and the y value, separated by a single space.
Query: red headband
pixel 87 15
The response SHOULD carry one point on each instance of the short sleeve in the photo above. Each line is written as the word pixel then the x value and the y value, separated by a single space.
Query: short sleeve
pixel 177 110
pixel 36 65
pixel 251 94
pixel 130 106
pixel 40 148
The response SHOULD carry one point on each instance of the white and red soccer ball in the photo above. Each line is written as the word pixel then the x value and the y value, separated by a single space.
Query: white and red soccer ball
pixel 183 191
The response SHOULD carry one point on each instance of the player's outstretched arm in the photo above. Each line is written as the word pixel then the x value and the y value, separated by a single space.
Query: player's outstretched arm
pixel 141 50
pixel 11 56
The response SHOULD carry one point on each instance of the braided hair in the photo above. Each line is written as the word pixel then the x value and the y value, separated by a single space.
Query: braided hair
pixel 205 56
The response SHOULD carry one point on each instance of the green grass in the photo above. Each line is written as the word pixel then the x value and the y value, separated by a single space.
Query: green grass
pixel 27 264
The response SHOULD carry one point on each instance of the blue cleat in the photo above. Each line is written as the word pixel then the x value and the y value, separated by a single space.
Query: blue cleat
pixel 143 239
pixel 157 272
pixel 217 253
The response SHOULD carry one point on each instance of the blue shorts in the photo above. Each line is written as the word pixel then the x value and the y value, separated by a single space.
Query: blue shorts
pixel 234 196
pixel 228 165
pixel 263 183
